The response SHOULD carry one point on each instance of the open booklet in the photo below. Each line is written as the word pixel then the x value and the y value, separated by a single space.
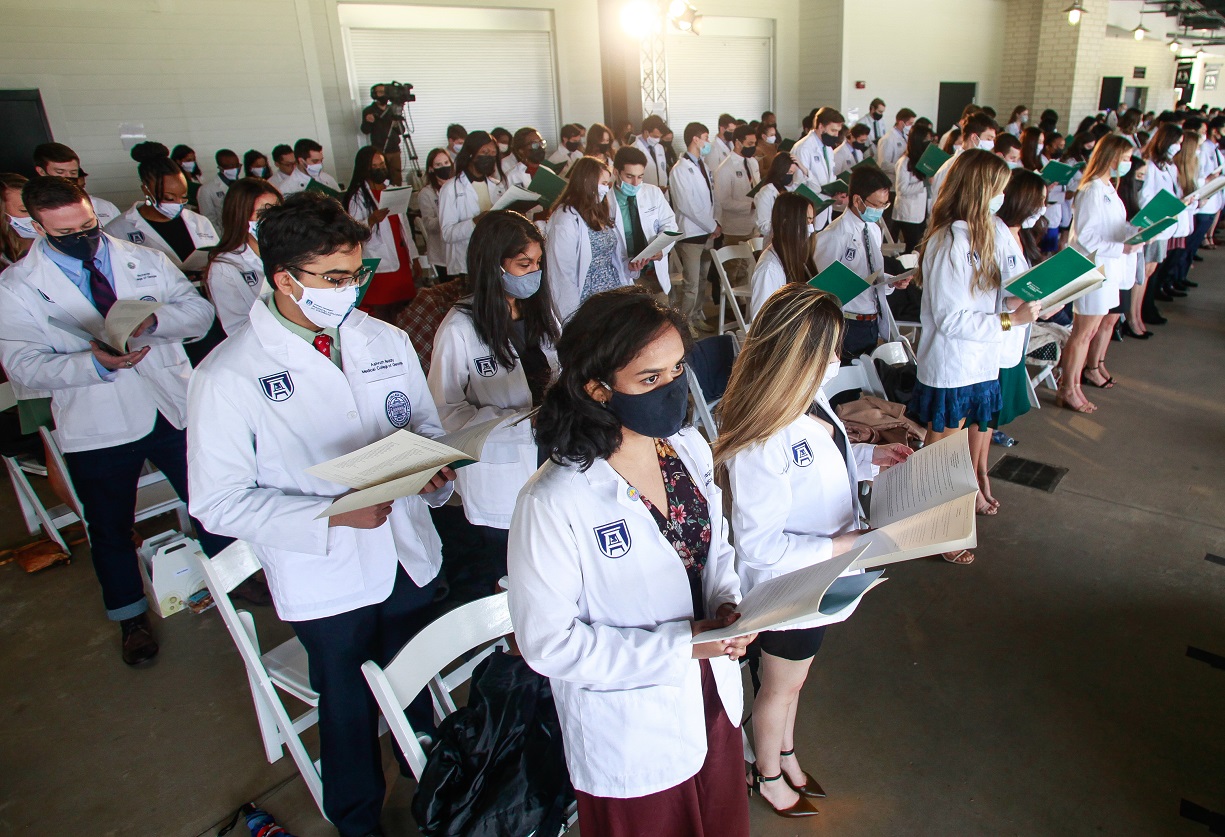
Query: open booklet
pixel 400 465
pixel 932 159
pixel 1058 173
pixel 810 597
pixel 1207 190
pixel 123 318
pixel 658 244
pixel 1149 233
pixel 923 506
pixel 1163 205
pixel 518 199
pixel 819 204
pixel 1065 276
pixel 395 199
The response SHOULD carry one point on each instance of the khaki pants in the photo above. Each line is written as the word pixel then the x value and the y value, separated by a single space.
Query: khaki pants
pixel 689 297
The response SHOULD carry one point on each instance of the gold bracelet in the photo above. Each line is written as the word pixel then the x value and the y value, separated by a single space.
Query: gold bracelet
pixel 1006 322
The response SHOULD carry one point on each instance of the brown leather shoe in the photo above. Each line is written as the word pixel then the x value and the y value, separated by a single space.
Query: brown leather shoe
pixel 139 646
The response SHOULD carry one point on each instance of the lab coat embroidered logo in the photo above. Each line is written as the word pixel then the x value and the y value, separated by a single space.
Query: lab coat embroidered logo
pixel 801 454
pixel 613 539
pixel 250 277
pixel 136 237
pixel 850 254
pixel 277 387
pixel 486 367
pixel 1012 262
pixel 398 408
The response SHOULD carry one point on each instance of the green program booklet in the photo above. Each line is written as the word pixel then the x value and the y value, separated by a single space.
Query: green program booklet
pixel 841 281
pixel 316 186
pixel 931 160
pixel 1149 233
pixel 553 167
pixel 1163 205
pixel 1065 276
pixel 837 186
pixel 1058 173
pixel 819 204
pixel 548 184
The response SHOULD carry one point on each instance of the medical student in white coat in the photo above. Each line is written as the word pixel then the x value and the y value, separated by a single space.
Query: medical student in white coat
pixel 892 146
pixel 789 256
pixel 111 412
pixel 494 357
pixel 979 132
pixel 391 240
pixel 585 244
pixel 618 557
pixel 910 189
pixel 854 149
pixel 734 178
pixel 648 142
pixel 211 196
pixel 1099 226
pixel 439 169
pixel 815 154
pixel 645 213
pixel 309 380
pixel 1160 173
pixel 527 155
pixel 570 149
pixel 235 276
pixel 874 121
pixel 161 220
pixel 854 239
pixel 780 439
pixel 693 199
pixel 467 196
pixel 58 160
pixel 722 143
pixel 782 176
pixel 963 330
pixel 308 168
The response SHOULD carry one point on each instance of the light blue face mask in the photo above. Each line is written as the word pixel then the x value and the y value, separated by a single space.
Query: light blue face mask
pixel 996 204
pixel 871 214
pixel 705 150
pixel 521 287
pixel 629 190
pixel 1123 169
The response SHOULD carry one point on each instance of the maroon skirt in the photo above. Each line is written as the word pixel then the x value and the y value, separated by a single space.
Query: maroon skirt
pixel 712 803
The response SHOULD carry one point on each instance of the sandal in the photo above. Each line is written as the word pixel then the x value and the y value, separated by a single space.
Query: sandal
pixel 1062 401
pixel 811 788
pixel 962 557
pixel 1106 384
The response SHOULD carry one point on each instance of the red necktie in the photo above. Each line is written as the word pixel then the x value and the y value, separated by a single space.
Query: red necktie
pixel 324 344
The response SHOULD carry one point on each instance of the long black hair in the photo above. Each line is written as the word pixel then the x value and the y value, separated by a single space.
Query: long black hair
pixel 154 166
pixel 499 236
pixel 361 173
pixel 780 167
pixel 604 335
pixel 920 137
pixel 472 144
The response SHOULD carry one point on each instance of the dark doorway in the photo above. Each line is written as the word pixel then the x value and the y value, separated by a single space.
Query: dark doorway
pixel 1112 93
pixel 954 96
pixel 25 126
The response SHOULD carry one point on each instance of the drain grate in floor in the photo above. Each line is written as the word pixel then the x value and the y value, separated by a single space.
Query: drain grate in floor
pixel 1028 473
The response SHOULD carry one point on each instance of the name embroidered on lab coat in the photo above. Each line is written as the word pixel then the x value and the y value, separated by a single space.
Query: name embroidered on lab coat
pixel 613 539
pixel 277 387
pixel 486 367
pixel 398 408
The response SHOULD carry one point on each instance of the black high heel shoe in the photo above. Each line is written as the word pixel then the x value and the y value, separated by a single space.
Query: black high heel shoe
pixel 802 808
pixel 810 788
pixel 1127 329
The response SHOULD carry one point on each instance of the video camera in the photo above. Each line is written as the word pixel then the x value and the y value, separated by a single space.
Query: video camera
pixel 399 94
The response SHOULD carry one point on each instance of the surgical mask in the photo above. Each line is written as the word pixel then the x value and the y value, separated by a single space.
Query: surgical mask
pixel 1024 118
pixel 704 150
pixel 457 147
pixel 1032 221
pixel 259 171
pixel 986 145
pixel 830 140
pixel 314 169
pixel 503 147
pixel 729 137
pixel 521 287
pixel 253 226
pixel 1175 148
pixel 1123 169
pixel 996 203
pixel 652 140
pixel 812 230
pixel 81 245
pixel 878 116
pixel 230 174
pixel 772 139
pixel 628 189
pixel 906 132
pixel 658 414
pixel 871 214
pixel 574 145
pixel 1041 146
pixel 170 209
pixel 1012 164
pixel 485 165
pixel 23 226
pixel 443 172
pixel 860 146
pixel 748 151
pixel 326 307
pixel 831 371
pixel 602 190
pixel 188 166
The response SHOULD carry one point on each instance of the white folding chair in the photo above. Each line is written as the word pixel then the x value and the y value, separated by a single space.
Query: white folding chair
pixel 889 245
pixel 284 667
pixel 758 244
pixel 20 468
pixel 894 328
pixel 733 296
pixel 848 378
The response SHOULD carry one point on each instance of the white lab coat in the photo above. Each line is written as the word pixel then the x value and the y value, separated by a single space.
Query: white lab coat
pixel 937 179
pixel 469 386
pixel 601 606
pixel 763 206
pixel 298 180
pixel 1099 226
pixel 435 249
pixel 1210 159
pixel 842 241
pixel 568 247
pixel 818 161
pixel 734 178
pixel 211 198
pixel 235 280
pixel 1054 202
pixel 962 334
pixel 565 158
pixel 382 243
pixel 910 203
pixel 878 127
pixel 719 151
pixel 768 277
pixel 458 207
pixel 693 199
pixel 517 176
pixel 845 157
pixel 104 210
pixel 92 412
pixel 1164 176
pixel 890 149
pixel 135 229
pixel 265 406
pixel 655 214
pixel 657 163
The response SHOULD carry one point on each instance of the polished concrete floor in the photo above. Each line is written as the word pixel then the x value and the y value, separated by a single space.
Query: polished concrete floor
pixel 1044 690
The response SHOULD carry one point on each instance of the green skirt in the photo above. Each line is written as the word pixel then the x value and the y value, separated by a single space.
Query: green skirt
pixel 1014 390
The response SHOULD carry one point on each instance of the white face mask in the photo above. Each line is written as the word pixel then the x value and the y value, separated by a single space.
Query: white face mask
pixel 1123 169
pixel 831 371
pixel 772 139
pixel 1032 221
pixel 996 203
pixel 503 148
pixel 457 147
pixel 602 190
pixel 314 169
pixel 326 307
pixel 1024 118
pixel 1175 148
pixel 170 210
pixel 652 141
pixel 812 230
pixel 986 144
pixel 1041 146
pixel 230 174
pixel 259 171
pixel 253 226
pixel 23 226
pixel 188 167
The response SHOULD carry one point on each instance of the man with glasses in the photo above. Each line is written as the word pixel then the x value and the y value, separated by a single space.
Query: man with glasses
pixel 854 238
pixel 112 410
pixel 311 379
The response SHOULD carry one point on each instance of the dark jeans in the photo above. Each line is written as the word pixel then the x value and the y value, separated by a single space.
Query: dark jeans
pixel 351 764
pixel 912 234
pixel 1199 232
pixel 859 338
pixel 105 481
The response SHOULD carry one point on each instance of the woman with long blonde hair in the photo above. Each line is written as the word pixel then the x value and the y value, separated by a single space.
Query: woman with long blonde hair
pixel 963 329
pixel 779 439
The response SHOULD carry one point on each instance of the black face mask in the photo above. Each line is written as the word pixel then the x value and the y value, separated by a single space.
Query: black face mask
pixel 606 147
pixel 573 145
pixel 485 165
pixel 786 179
pixel 658 414
pixel 878 116
pixel 748 151
pixel 382 100
pixel 81 245
pixel 444 172
pixel 535 155
pixel 729 137
pixel 859 146
pixel 830 140
pixel 378 175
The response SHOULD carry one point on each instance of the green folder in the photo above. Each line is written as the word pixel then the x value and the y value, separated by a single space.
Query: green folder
pixel 373 264
pixel 753 192
pixel 1058 173
pixel 841 281
pixel 819 204
pixel 866 161
pixel 786 145
pixel 837 186
pixel 931 160
pixel 1163 205
pixel 1149 233
pixel 548 184
pixel 553 167
pixel 316 186
pixel 1051 276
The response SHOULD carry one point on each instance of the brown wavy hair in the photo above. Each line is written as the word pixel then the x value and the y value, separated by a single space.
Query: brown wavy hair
pixel 582 193
pixel 973 180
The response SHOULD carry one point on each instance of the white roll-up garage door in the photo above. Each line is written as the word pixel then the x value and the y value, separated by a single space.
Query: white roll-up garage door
pixel 717 72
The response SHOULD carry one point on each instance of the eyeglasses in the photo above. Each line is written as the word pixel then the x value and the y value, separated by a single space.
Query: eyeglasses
pixel 339 280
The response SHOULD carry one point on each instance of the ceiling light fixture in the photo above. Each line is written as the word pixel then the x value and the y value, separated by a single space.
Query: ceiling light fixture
pixel 1139 32
pixel 1075 12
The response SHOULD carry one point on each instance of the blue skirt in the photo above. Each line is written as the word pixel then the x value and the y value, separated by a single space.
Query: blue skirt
pixel 947 408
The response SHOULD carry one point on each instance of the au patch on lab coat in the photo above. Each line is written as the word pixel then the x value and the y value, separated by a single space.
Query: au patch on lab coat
pixel 250 277
pixel 398 408
pixel 136 237
pixel 486 367
pixel 613 539
pixel 801 454
pixel 277 387
pixel 849 255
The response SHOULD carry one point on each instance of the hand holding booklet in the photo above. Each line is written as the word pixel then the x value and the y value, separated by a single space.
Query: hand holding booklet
pixel 399 465
pixel 1065 276
pixel 124 317
pixel 395 199
pixel 657 245
pixel 517 199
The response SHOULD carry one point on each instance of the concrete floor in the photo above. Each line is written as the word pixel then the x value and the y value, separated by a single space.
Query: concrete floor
pixel 1044 690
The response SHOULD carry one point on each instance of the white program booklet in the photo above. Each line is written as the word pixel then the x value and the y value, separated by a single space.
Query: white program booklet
pixel 657 245
pixel 395 199
pixel 123 318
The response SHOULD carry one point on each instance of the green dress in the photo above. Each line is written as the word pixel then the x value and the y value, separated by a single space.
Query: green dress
pixel 1014 390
